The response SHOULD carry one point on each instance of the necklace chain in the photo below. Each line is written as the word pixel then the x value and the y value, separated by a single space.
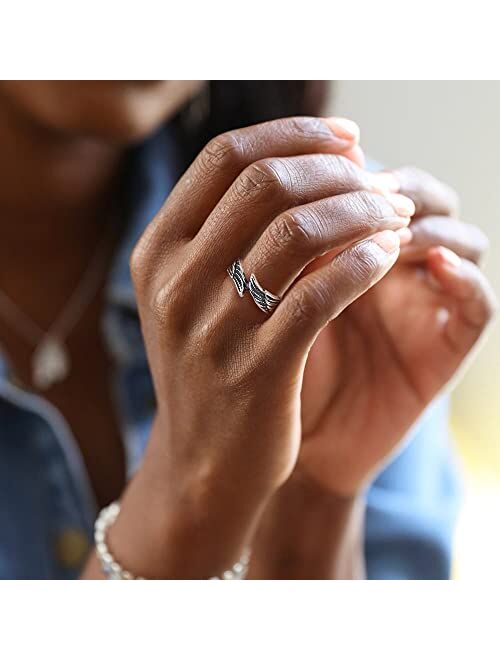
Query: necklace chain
pixel 50 362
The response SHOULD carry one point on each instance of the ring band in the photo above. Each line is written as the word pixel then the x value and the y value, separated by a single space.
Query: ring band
pixel 236 273
pixel 264 299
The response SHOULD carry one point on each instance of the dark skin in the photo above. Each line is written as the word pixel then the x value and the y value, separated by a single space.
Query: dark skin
pixel 297 190
pixel 60 247
pixel 60 179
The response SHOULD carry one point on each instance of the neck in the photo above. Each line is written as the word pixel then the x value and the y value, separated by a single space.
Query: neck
pixel 56 194
pixel 53 187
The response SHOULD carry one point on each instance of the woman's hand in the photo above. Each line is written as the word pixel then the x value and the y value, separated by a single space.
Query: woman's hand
pixel 368 377
pixel 372 372
pixel 227 376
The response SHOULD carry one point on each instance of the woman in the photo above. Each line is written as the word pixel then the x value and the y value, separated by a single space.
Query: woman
pixel 283 383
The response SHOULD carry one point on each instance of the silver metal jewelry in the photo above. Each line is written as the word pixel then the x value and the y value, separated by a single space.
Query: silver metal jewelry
pixel 265 300
pixel 50 362
pixel 114 571
pixel 236 273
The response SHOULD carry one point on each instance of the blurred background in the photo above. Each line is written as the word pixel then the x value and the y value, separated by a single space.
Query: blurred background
pixel 452 129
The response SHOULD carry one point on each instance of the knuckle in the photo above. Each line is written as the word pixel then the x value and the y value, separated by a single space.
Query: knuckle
pixel 348 176
pixel 262 177
pixel 309 128
pixel 419 184
pixel 307 304
pixel 150 250
pixel 205 344
pixel 164 303
pixel 290 232
pixel 138 263
pixel 168 303
pixel 364 264
pixel 170 318
pixel 371 206
pixel 224 151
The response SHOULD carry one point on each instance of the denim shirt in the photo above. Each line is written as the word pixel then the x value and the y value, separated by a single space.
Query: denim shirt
pixel 47 507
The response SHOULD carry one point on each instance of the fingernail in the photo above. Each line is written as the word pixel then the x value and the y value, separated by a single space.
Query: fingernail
pixel 344 128
pixel 405 236
pixel 402 204
pixel 385 182
pixel 387 240
pixel 450 258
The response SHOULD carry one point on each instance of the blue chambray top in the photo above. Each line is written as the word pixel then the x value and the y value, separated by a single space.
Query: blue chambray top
pixel 45 493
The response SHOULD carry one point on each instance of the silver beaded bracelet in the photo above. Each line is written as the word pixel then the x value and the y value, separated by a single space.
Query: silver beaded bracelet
pixel 114 571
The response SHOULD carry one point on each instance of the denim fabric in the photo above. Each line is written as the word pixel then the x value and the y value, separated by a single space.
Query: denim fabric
pixel 45 491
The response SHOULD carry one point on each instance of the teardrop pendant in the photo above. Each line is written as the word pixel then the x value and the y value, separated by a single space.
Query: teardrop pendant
pixel 50 363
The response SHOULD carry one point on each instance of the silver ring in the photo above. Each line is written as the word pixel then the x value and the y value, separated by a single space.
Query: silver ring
pixel 236 273
pixel 264 299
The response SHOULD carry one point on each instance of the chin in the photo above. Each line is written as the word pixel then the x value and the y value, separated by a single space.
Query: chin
pixel 117 111
pixel 126 112
pixel 127 119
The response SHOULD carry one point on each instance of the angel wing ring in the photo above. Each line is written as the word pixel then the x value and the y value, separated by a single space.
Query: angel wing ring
pixel 264 299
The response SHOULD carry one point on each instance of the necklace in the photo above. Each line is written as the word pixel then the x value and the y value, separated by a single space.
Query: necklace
pixel 50 362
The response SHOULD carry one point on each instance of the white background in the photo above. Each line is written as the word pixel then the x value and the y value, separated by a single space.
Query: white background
pixel 350 40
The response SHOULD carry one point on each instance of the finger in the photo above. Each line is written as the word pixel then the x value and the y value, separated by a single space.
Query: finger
pixel 322 295
pixel 227 155
pixel 298 236
pixel 466 240
pixel 430 196
pixel 474 302
pixel 357 155
pixel 218 165
pixel 270 187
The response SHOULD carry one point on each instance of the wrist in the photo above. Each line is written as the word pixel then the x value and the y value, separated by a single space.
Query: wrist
pixel 162 539
pixel 175 527
pixel 308 532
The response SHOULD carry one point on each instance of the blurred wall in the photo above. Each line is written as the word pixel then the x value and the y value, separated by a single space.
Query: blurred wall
pixel 453 130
